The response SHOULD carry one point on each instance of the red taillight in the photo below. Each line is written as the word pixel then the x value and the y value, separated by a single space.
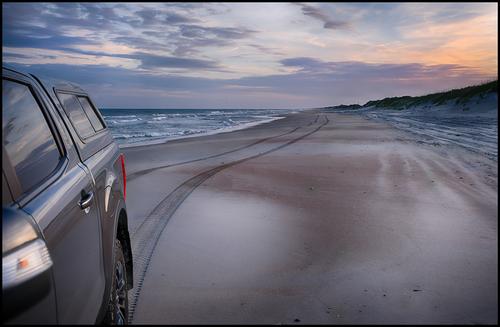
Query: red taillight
pixel 124 174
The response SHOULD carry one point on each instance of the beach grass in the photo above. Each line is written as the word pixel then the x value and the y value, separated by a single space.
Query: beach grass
pixel 459 96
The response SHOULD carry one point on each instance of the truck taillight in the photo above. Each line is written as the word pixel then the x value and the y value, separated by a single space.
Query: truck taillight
pixel 124 174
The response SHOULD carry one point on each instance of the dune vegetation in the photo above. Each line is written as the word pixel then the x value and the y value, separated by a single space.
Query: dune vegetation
pixel 458 96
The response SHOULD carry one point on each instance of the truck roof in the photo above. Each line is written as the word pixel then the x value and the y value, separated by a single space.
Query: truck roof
pixel 48 82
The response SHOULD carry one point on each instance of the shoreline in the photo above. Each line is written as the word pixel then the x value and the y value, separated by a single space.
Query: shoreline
pixel 208 133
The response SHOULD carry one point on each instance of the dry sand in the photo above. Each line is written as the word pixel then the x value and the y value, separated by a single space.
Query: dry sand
pixel 315 218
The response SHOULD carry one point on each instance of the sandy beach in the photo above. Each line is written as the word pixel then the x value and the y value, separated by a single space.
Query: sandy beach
pixel 315 218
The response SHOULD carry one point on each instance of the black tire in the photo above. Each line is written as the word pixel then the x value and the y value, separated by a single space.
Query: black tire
pixel 117 313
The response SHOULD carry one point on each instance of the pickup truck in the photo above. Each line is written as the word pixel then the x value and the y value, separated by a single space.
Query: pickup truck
pixel 66 252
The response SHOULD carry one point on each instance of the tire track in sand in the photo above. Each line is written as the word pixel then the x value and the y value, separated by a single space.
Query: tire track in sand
pixel 147 171
pixel 146 237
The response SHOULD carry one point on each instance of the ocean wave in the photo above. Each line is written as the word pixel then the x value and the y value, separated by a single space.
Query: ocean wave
pixel 153 134
pixel 150 125
pixel 118 116
pixel 158 118
pixel 142 135
pixel 124 121
pixel 215 113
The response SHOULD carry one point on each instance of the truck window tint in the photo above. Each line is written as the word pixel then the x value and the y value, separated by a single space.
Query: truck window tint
pixel 27 137
pixel 89 110
pixel 75 112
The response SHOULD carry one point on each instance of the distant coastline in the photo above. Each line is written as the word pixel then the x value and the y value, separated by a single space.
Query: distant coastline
pixel 460 96
pixel 466 118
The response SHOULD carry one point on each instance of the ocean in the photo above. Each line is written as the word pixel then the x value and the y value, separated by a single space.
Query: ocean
pixel 130 126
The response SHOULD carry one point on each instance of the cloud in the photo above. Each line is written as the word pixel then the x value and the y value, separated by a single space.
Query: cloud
pixel 304 63
pixel 149 61
pixel 97 75
pixel 24 56
pixel 356 69
pixel 316 83
pixel 197 31
pixel 157 17
pixel 48 42
pixel 328 22
pixel 173 18
pixel 249 56
pixel 46 25
pixel 143 43
pixel 268 50
pixel 161 28
pixel 190 37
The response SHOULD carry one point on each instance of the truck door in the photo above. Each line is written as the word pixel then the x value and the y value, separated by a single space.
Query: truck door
pixel 58 193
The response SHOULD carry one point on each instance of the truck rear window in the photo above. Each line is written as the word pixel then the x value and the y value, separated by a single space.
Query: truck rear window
pixel 76 115
pixel 91 114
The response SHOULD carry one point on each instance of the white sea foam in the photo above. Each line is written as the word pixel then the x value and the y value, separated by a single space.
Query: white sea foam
pixel 132 126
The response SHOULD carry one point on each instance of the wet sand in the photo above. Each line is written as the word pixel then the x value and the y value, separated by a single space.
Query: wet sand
pixel 315 218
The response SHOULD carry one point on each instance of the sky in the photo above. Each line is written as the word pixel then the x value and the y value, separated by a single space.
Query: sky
pixel 253 55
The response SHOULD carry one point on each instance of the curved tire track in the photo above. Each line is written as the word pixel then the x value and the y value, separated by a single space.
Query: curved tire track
pixel 145 239
pixel 147 171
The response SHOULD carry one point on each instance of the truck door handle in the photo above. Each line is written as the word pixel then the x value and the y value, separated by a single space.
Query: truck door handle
pixel 86 200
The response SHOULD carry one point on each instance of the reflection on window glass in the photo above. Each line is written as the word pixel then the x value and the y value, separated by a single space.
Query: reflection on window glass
pixel 27 138
pixel 76 114
pixel 89 110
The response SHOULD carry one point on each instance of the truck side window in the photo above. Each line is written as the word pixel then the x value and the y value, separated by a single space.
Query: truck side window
pixel 76 115
pixel 27 138
pixel 90 111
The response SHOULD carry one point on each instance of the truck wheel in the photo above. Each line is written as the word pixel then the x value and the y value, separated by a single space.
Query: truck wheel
pixel 117 313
